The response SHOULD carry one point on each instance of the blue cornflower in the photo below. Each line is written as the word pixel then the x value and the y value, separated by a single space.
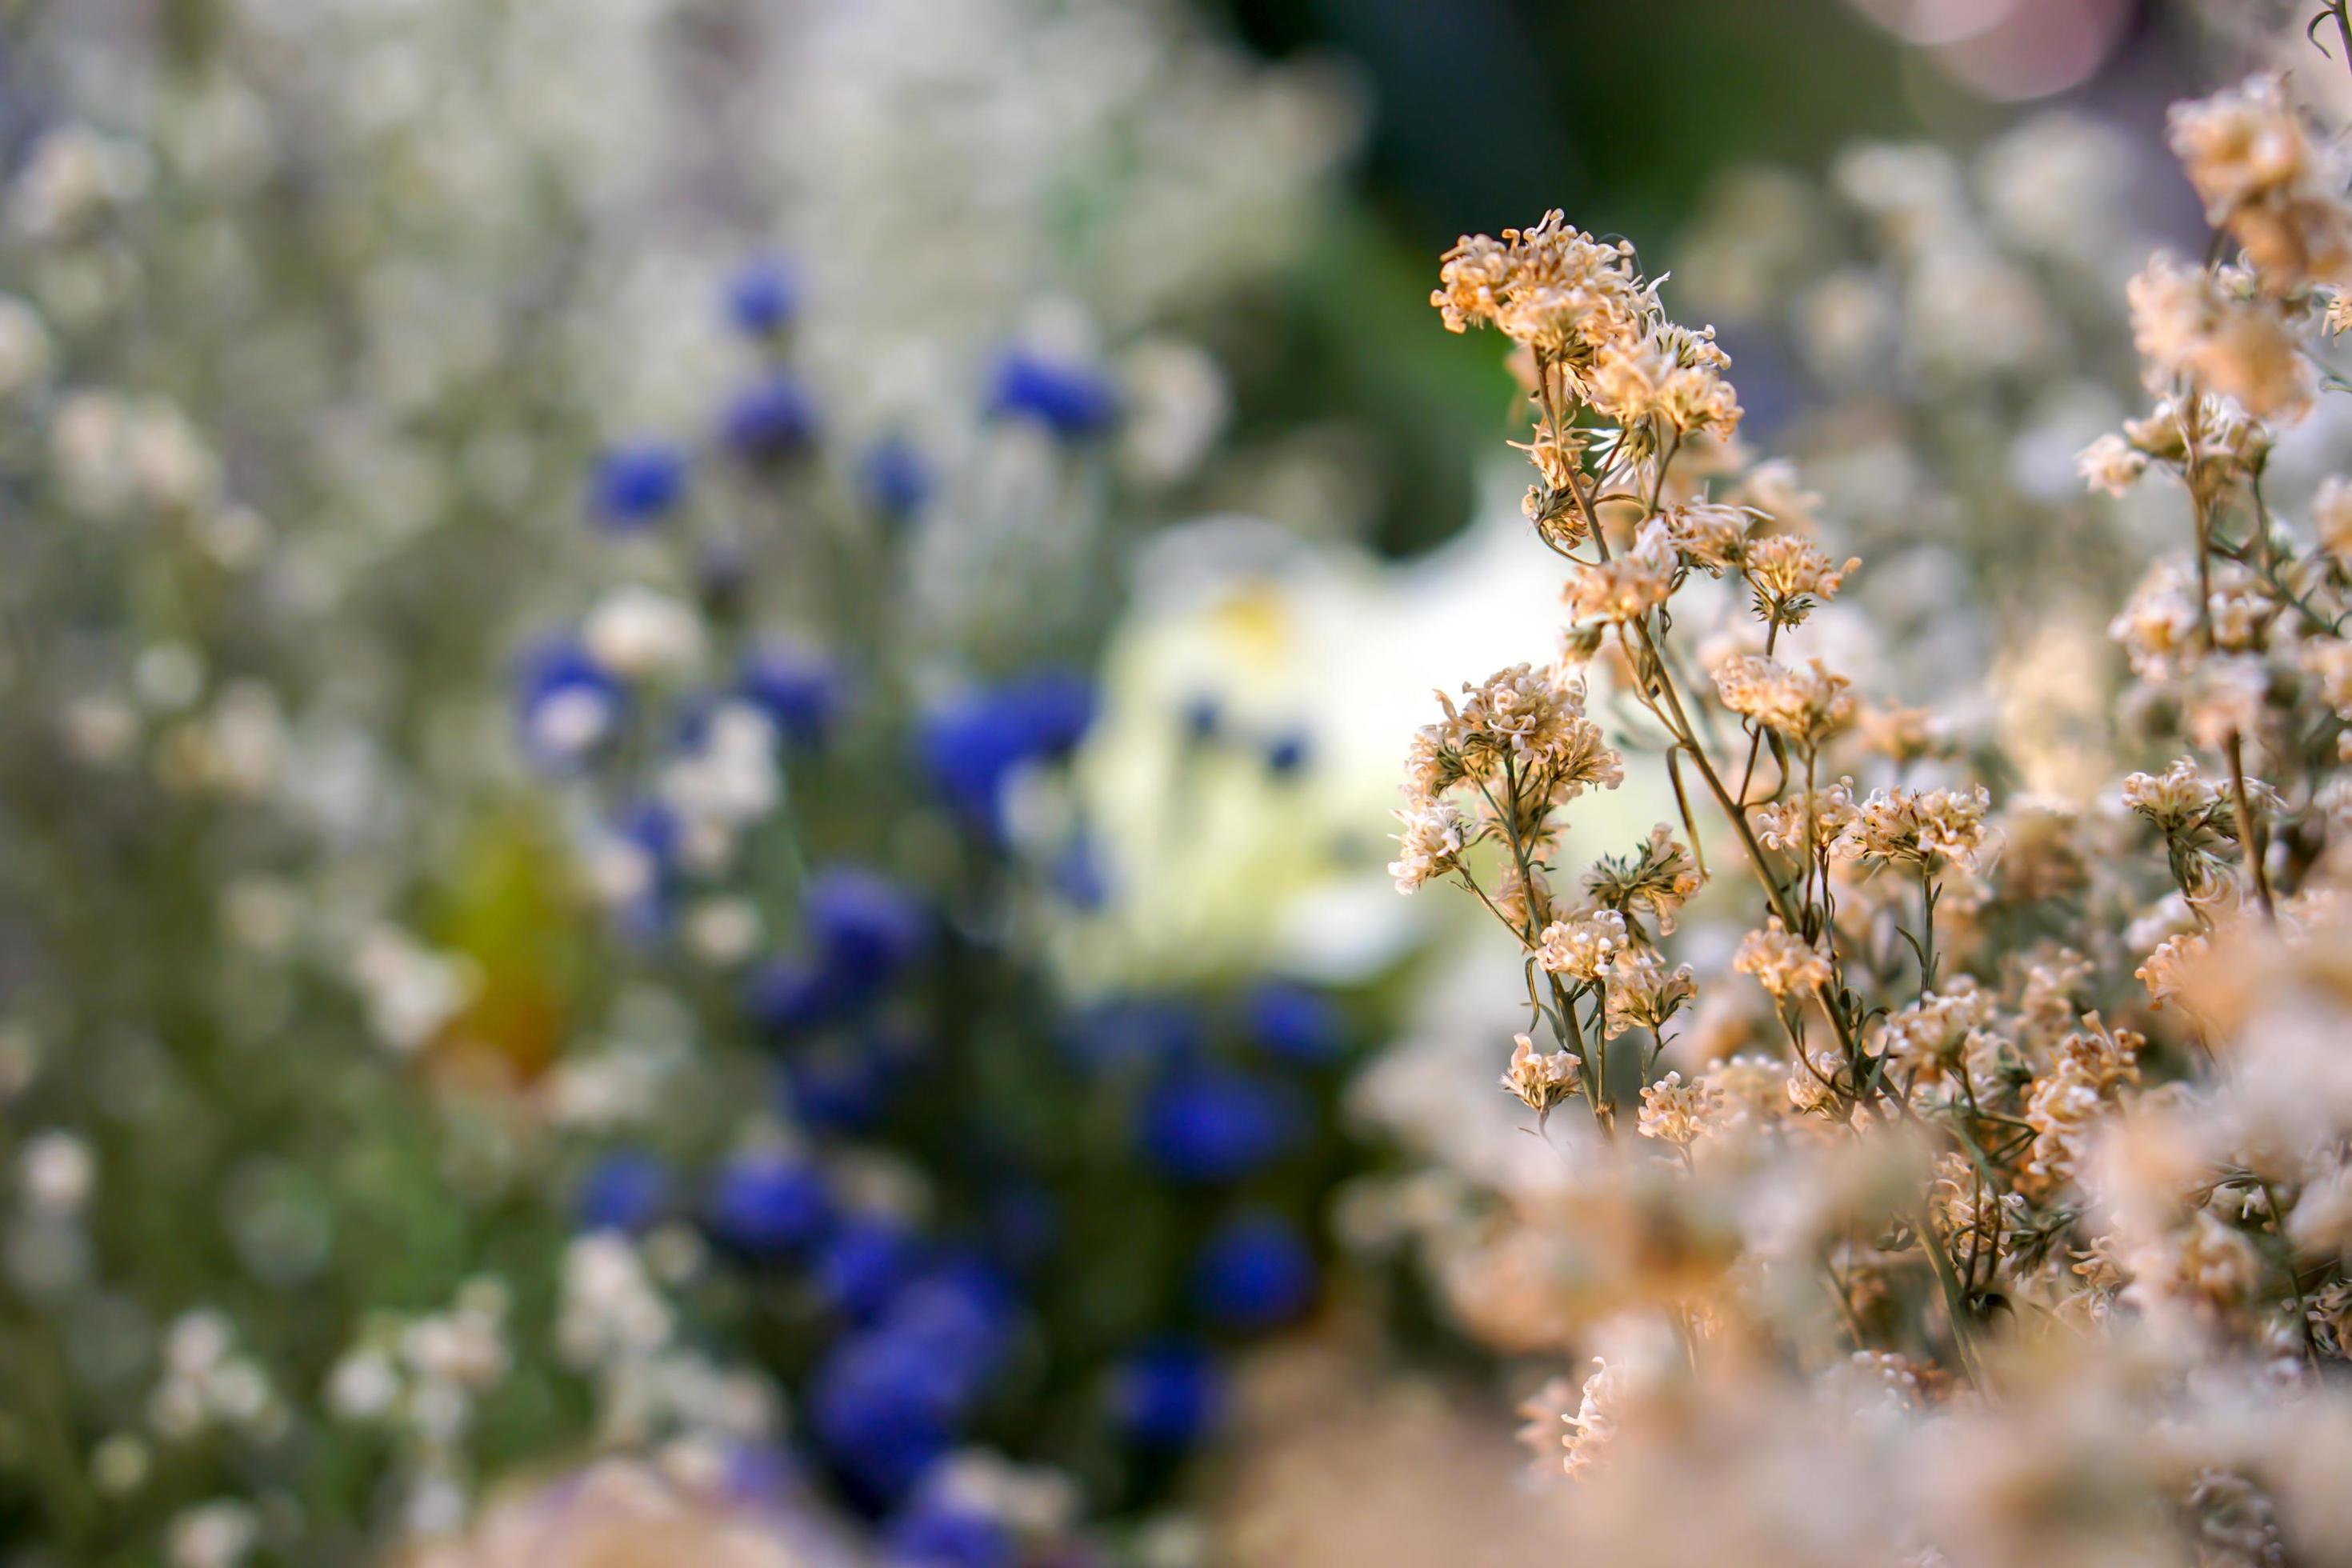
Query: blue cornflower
pixel 1168 1395
pixel 839 1087
pixel 883 1409
pixel 973 745
pixel 1296 1024
pixel 1255 1273
pixel 768 1205
pixel 770 420
pixel 1070 399
pixel 800 688
pixel 869 928
pixel 637 483
pixel 1214 1124
pixel 762 297
pixel 627 1190
pixel 1288 754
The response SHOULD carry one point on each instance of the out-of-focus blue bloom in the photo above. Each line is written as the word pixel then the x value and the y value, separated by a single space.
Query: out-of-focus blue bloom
pixel 770 420
pixel 867 928
pixel 1289 754
pixel 1122 1032
pixel 566 702
pixel 944 1535
pixel 795 994
pixel 897 480
pixel 799 688
pixel 1217 1125
pixel 1079 875
pixel 1204 719
pixel 628 1191
pixel 762 297
pixel 839 1087
pixel 1296 1023
pixel 962 1314
pixel 973 744
pixel 761 1474
pixel 885 1410
pixel 864 1262
pixel 768 1205
pixel 1071 399
pixel 1255 1273
pixel 637 483
pixel 1167 1395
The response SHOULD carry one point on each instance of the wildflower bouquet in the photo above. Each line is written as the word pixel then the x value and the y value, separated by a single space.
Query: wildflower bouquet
pixel 1982 1200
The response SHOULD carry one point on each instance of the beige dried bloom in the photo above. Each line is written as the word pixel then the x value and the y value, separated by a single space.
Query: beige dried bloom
pixel 1431 845
pixel 1558 291
pixel 1643 993
pixel 1803 707
pixel 1710 535
pixel 2112 464
pixel 1672 376
pixel 1521 719
pixel 1657 877
pixel 1537 1079
pixel 2168 970
pixel 1580 944
pixel 2331 516
pixel 1627 586
pixel 2208 330
pixel 2179 800
pixel 1541 1415
pixel 1925 827
pixel 1940 1031
pixel 1783 962
pixel 1805 821
pixel 1594 1425
pixel 2065 1105
pixel 1678 1113
pixel 2264 179
pixel 1790 574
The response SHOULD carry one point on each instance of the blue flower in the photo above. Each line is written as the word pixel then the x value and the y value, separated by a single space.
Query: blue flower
pixel 1124 1032
pixel 896 479
pixel 1168 1395
pixel 866 928
pixel 799 688
pixel 567 704
pixel 884 1410
pixel 1296 1024
pixel 974 744
pixel 762 297
pixel 1255 1273
pixel 1070 399
pixel 636 483
pixel 839 1087
pixel 770 420
pixel 766 1206
pixel 864 1262
pixel 1080 876
pixel 947 1535
pixel 1289 754
pixel 795 996
pixel 1216 1125
pixel 962 1314
pixel 627 1190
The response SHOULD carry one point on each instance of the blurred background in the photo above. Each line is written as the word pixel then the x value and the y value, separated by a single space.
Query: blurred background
pixel 700 700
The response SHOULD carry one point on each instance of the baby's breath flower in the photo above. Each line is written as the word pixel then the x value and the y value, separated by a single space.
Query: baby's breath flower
pixel 1678 1113
pixel 2331 516
pixel 1803 707
pixel 1940 1031
pixel 1541 1081
pixel 1553 287
pixel 1658 877
pixel 1627 587
pixel 2167 969
pixel 2263 178
pixel 1590 1429
pixel 1672 376
pixel 1581 945
pixel 1643 992
pixel 1521 716
pixel 2209 329
pixel 1789 576
pixel 1783 962
pixel 1431 845
pixel 1710 535
pixel 2178 800
pixel 2066 1104
pixel 1922 827
pixel 1824 813
pixel 2112 464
